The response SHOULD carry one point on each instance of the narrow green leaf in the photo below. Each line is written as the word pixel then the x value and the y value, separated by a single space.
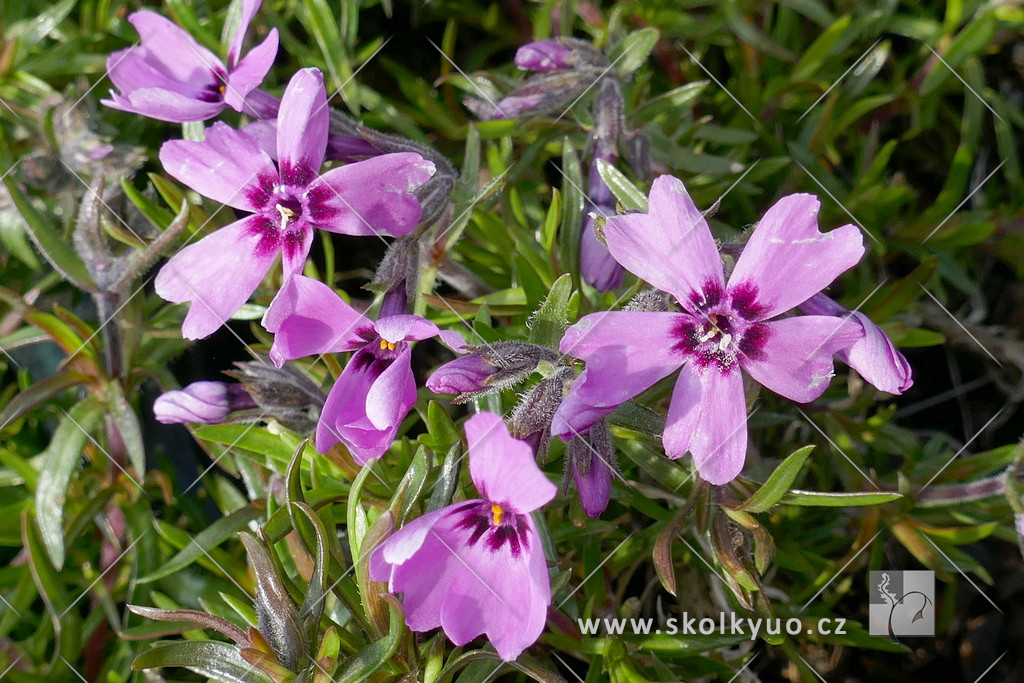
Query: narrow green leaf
pixel 632 51
pixel 312 608
pixel 51 589
pixel 278 616
pixel 210 537
pixel 572 208
pixel 823 46
pixel 127 423
pixel 548 323
pixel 41 391
pixel 51 244
pixel 622 187
pixel 838 500
pixel 59 460
pixel 364 663
pixel 408 491
pixel 441 431
pixel 772 491
pixel 154 213
pixel 219 661
pixel 447 478
pixel 976 36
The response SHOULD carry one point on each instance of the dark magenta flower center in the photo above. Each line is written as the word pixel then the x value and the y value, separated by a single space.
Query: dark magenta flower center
pixel 214 91
pixel 723 329
pixel 494 525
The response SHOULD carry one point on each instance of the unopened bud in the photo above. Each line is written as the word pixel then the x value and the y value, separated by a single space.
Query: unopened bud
pixel 560 53
pixel 591 460
pixel 489 368
pixel 543 55
pixel 647 301
pixel 201 402
pixel 284 394
pixel 464 375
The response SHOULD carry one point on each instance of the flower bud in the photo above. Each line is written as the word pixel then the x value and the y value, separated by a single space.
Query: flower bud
pixel 201 402
pixel 591 461
pixel 543 55
pixel 284 394
pixel 488 368
pixel 464 375
pixel 560 53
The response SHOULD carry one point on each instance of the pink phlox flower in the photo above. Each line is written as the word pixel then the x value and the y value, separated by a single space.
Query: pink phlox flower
pixel 377 388
pixel 477 567
pixel 286 201
pixel 171 77
pixel 724 327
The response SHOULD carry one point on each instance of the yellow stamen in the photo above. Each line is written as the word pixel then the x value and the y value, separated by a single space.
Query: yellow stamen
pixel 496 512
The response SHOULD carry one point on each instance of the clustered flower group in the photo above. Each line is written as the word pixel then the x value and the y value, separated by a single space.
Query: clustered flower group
pixel 477 567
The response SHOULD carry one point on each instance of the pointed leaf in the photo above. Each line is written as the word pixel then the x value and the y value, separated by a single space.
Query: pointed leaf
pixel 59 461
pixel 548 323
pixel 51 244
pixel 210 537
pixel 216 660
pixel 364 663
pixel 772 491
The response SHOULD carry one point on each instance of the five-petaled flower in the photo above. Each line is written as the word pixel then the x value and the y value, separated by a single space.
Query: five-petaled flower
pixel 171 77
pixel 287 200
pixel 377 389
pixel 724 326
pixel 477 567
